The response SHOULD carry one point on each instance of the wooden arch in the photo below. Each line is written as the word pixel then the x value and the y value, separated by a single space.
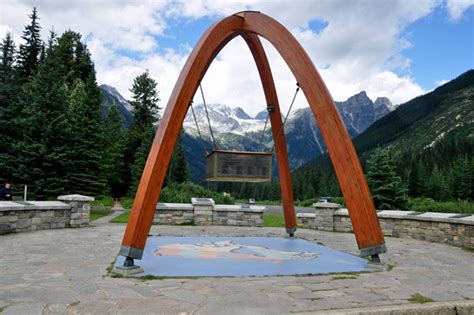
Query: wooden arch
pixel 249 25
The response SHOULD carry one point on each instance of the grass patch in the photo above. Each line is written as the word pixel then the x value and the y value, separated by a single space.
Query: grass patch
pixel 151 277
pixel 390 267
pixel 126 202
pixel 188 223
pixel 417 298
pixel 103 202
pixel 343 277
pixel 122 218
pixel 3 308
pixel 96 214
pixel 273 220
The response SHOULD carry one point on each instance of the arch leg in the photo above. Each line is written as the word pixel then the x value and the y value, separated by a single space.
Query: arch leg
pixel 273 108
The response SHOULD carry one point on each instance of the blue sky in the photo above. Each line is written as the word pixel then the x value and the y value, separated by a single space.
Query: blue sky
pixel 394 48
pixel 442 49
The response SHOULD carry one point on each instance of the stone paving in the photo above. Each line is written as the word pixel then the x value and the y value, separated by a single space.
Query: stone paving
pixel 64 271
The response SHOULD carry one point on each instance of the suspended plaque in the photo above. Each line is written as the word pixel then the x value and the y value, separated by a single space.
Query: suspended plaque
pixel 236 166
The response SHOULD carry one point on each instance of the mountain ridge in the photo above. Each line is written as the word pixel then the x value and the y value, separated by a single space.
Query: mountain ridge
pixel 234 129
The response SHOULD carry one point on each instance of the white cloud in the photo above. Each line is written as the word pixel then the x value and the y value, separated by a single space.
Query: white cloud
pixel 457 8
pixel 360 49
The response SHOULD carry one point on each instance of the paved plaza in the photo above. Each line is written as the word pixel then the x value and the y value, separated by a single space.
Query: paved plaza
pixel 65 271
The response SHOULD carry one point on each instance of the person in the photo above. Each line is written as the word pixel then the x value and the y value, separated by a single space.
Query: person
pixel 6 192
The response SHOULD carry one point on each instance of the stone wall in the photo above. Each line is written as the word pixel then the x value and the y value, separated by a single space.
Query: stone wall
pixel 203 211
pixel 174 214
pixel 238 215
pixel 450 228
pixel 19 216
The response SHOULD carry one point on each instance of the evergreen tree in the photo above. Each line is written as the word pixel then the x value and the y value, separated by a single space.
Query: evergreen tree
pixel 437 187
pixel 29 54
pixel 8 91
pixel 140 158
pixel 385 184
pixel 40 158
pixel 114 146
pixel 144 101
pixel 178 170
pixel 7 49
pixel 141 131
pixel 461 181
pixel 74 56
pixel 416 181
pixel 85 174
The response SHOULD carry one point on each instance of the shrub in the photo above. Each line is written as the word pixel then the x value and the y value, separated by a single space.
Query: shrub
pixel 430 205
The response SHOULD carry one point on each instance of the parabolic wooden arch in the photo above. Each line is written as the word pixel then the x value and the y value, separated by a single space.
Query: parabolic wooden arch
pixel 250 25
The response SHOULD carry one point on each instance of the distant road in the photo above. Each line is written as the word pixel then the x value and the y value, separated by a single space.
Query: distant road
pixel 274 209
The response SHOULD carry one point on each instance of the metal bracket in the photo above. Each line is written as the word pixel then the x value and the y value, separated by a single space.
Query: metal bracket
pixel 270 108
pixel 291 231
pixel 131 252
pixel 373 252
pixel 128 267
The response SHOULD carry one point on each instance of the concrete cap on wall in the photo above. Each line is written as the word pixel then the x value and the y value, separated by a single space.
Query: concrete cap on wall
pixel 328 205
pixel 75 197
pixel 202 201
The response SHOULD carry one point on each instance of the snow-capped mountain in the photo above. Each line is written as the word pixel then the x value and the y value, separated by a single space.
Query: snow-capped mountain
pixel 111 96
pixel 224 119
pixel 234 129
pixel 113 92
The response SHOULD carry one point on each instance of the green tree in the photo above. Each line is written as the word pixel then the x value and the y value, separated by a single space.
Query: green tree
pixel 113 157
pixel 40 157
pixel 417 178
pixel 28 57
pixel 461 182
pixel 86 172
pixel 74 57
pixel 437 186
pixel 144 100
pixel 8 110
pixel 141 131
pixel 385 185
pixel 139 159
pixel 178 170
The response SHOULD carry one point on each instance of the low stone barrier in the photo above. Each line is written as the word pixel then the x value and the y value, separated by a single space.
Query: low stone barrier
pixel 174 214
pixel 203 211
pixel 70 212
pixel 451 228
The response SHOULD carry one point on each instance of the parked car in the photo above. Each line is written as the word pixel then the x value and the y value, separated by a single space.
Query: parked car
pixel 251 201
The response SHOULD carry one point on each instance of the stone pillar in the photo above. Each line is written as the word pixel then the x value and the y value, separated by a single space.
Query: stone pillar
pixel 80 209
pixel 203 208
pixel 324 219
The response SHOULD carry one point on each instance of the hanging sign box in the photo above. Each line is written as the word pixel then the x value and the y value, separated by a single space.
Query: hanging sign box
pixel 237 166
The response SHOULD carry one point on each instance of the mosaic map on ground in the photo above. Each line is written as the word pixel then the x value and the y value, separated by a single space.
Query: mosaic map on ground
pixel 241 256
